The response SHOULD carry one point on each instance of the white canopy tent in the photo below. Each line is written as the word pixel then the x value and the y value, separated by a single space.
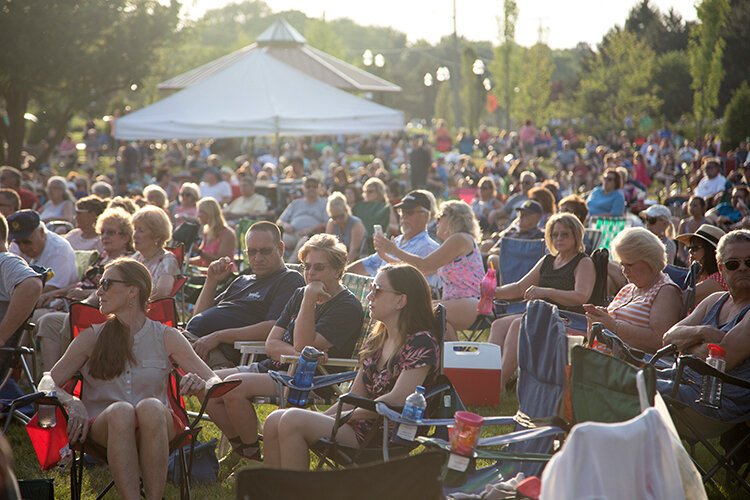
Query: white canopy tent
pixel 258 95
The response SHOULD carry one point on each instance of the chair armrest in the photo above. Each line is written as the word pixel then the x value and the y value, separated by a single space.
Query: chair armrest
pixel 250 346
pixel 342 362
pixel 704 369
pixel 215 391
pixel 358 401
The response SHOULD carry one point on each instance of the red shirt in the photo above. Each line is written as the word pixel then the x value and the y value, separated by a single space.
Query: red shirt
pixel 28 199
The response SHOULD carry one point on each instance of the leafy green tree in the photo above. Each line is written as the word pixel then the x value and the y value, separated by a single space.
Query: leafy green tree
pixel 508 36
pixel 535 85
pixel 737 36
pixel 736 126
pixel 74 53
pixel 706 48
pixel 444 104
pixel 672 75
pixel 320 35
pixel 663 33
pixel 620 82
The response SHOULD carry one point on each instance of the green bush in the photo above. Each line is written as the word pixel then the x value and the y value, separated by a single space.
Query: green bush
pixel 736 126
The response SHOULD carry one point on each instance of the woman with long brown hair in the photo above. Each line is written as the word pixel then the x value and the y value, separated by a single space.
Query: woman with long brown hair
pixel 125 365
pixel 399 355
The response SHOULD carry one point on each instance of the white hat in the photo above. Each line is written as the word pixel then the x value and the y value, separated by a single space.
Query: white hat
pixel 657 211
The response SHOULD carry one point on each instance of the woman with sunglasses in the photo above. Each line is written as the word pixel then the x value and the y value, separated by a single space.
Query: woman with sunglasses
pixel 323 314
pixel 400 354
pixel 696 210
pixel 608 199
pixel 375 209
pixel 186 207
pixel 84 236
pixel 116 231
pixel 125 364
pixel 722 319
pixel 701 247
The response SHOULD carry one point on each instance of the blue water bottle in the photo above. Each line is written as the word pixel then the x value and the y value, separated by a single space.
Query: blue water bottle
pixel 415 405
pixel 303 377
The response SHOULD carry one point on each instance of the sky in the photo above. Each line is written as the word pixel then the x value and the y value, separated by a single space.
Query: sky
pixel 563 23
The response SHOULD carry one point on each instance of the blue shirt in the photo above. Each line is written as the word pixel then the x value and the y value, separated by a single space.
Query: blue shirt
pixel 601 203
pixel 421 245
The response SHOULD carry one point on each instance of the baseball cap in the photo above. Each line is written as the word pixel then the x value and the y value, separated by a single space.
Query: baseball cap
pixel 414 199
pixel 21 224
pixel 531 206
pixel 657 211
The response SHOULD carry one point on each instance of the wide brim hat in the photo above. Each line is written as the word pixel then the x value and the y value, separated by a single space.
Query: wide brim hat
pixel 707 232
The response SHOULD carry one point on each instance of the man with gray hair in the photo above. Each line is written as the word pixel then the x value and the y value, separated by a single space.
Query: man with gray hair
pixel 102 189
pixel 722 318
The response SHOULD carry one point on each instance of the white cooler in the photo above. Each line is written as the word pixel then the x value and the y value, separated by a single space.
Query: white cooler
pixel 474 370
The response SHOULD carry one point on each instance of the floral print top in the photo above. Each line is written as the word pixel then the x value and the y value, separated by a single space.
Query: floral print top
pixel 420 349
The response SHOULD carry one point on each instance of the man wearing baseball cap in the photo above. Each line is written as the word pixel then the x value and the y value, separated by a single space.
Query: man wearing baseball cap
pixel 416 209
pixel 525 227
pixel 20 288
pixel 36 245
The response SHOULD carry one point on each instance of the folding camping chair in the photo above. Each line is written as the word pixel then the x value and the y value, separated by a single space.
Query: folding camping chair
pixel 400 479
pixel 518 257
pixel 14 404
pixel 609 227
pixel 696 427
pixel 185 438
pixel 84 260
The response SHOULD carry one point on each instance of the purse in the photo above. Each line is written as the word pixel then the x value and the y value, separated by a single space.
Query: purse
pixel 205 464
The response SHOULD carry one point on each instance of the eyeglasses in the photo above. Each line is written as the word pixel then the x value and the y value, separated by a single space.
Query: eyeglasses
pixel 562 235
pixel 376 290
pixel 409 213
pixel 734 264
pixel 264 252
pixel 317 267
pixel 109 232
pixel 650 220
pixel 106 283
pixel 610 179
pixel 694 248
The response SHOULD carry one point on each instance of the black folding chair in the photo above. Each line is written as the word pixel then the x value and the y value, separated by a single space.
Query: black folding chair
pixel 402 479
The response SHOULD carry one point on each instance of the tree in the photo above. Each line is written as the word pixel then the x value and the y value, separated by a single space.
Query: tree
pixel 471 91
pixel 737 36
pixel 705 49
pixel 663 33
pixel 620 82
pixel 672 75
pixel 535 85
pixel 444 103
pixel 736 125
pixel 75 52
pixel 322 37
pixel 508 36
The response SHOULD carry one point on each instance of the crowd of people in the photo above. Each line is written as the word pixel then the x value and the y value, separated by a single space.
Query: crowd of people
pixel 423 223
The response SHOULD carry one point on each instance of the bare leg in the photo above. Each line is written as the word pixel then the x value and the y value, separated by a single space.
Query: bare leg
pixel 155 429
pixel 271 449
pixel 239 407
pixel 500 328
pixel 299 429
pixel 460 314
pixel 510 353
pixel 216 409
pixel 115 429
pixel 54 335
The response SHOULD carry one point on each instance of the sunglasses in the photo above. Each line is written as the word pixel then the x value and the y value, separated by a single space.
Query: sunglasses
pixel 377 290
pixel 109 232
pixel 265 252
pixel 106 283
pixel 650 220
pixel 734 264
pixel 317 267
pixel 610 179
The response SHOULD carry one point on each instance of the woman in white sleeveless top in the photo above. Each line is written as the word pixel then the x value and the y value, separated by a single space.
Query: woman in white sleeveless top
pixel 125 364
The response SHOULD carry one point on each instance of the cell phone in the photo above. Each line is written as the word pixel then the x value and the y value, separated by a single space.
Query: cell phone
pixel 377 229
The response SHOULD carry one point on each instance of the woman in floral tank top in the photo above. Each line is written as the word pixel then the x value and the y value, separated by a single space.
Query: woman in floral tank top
pixel 457 262
pixel 399 355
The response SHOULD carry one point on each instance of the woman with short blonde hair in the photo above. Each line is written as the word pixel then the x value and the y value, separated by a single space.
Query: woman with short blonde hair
pixel 348 228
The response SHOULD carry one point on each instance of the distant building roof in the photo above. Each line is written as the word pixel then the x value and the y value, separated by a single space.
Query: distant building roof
pixel 286 44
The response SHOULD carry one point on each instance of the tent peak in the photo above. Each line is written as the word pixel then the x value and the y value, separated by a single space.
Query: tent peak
pixel 281 32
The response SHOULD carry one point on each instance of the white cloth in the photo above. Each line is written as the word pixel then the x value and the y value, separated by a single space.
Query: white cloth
pixel 219 191
pixel 78 242
pixel 641 458
pixel 57 255
pixel 709 187
pixel 13 271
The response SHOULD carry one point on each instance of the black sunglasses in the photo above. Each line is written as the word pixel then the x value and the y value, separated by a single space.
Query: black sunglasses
pixel 318 266
pixel 734 264
pixel 265 252
pixel 106 283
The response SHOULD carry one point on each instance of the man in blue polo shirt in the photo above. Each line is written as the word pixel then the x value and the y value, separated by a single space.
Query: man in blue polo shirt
pixel 250 306
pixel 415 210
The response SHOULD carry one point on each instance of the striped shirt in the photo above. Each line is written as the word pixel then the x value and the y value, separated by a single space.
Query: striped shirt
pixel 633 305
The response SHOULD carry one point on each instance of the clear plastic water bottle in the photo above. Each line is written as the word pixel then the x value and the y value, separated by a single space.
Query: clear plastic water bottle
pixel 711 390
pixel 47 413
pixel 303 377
pixel 415 405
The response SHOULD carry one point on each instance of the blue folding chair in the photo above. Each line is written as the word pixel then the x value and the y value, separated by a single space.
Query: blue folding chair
pixel 518 257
